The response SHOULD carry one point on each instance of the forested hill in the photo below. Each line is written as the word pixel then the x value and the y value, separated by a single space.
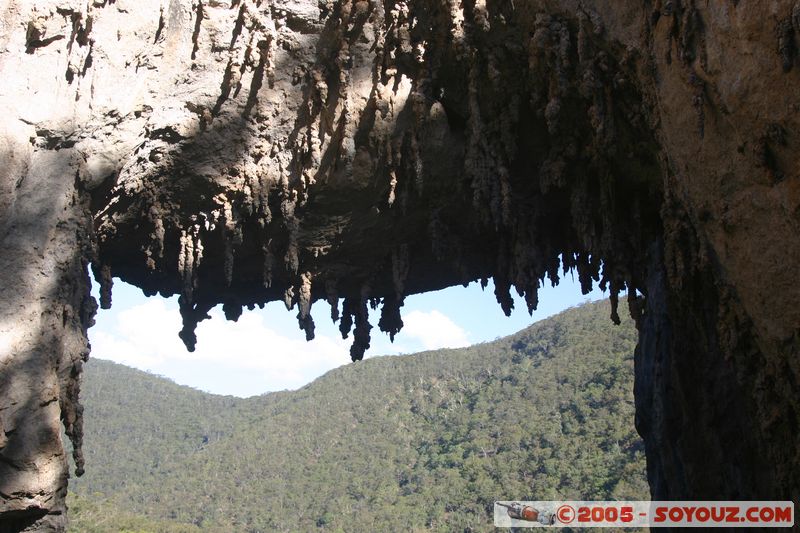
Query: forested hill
pixel 422 442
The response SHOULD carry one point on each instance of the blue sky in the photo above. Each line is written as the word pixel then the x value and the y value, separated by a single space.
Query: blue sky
pixel 265 350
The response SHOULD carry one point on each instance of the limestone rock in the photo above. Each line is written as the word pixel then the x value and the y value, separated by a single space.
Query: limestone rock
pixel 244 151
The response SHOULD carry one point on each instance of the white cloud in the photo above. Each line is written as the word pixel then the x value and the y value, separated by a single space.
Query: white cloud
pixel 263 351
pixel 433 330
pixel 145 336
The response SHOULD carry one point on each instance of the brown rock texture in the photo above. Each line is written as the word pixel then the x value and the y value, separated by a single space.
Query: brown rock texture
pixel 243 151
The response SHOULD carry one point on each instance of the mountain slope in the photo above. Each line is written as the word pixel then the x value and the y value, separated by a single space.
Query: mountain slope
pixel 424 442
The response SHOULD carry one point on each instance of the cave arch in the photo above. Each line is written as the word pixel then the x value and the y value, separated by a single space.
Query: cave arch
pixel 363 151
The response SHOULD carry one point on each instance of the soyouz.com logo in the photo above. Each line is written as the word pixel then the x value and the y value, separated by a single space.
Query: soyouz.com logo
pixel 644 514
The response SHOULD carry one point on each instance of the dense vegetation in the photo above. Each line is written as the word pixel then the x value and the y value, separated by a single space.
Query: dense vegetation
pixel 423 442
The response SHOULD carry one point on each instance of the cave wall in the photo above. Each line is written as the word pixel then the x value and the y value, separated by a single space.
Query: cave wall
pixel 718 400
pixel 350 153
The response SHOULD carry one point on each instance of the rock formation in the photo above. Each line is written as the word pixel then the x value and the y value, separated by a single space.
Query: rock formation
pixel 353 152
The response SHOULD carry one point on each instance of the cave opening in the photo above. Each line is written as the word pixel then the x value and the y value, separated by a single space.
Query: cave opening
pixel 140 422
pixel 359 152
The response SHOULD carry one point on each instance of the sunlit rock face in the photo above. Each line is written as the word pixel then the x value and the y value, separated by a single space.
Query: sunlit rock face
pixel 340 155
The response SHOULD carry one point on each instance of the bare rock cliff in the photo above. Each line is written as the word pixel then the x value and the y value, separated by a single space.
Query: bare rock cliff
pixel 349 153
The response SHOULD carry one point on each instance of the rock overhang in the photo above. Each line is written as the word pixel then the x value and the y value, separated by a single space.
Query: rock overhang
pixel 388 155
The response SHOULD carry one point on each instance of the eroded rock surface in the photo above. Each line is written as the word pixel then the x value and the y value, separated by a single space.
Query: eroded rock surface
pixel 349 153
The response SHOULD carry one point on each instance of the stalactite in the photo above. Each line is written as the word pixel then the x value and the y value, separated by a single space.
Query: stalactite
pixel 332 296
pixel 304 318
pixel 156 237
pixel 102 274
pixel 503 295
pixel 391 322
pixel 72 414
pixel 262 196
pixel 361 335
pixel 192 314
pixel 392 187
pixel 585 274
pixel 615 287
pixel 481 16
pixel 232 310
pixel 186 266
pixel 232 237
pixel 292 258
pixel 289 298
pixel 532 297
pixel 349 308
pixel 189 259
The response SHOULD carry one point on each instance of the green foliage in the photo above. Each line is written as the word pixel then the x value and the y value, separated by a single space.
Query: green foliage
pixel 423 442
pixel 91 514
